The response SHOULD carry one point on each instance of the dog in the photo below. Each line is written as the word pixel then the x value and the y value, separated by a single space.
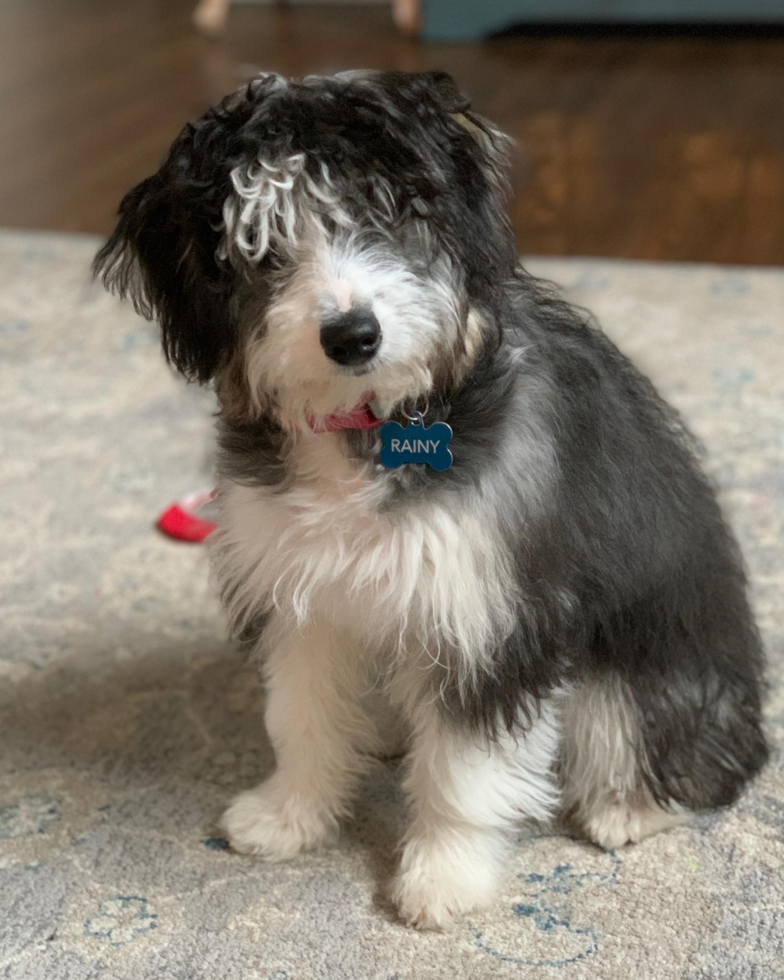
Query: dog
pixel 559 617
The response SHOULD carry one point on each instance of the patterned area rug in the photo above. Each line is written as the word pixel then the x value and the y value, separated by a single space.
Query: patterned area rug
pixel 126 721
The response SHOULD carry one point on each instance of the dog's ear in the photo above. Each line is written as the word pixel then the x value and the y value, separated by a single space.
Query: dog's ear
pixel 479 187
pixel 493 144
pixel 162 255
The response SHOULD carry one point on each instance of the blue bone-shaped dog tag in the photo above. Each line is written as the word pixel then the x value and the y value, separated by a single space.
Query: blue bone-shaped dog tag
pixel 416 443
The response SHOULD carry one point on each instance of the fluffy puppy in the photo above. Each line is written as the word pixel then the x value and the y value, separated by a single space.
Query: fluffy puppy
pixel 561 615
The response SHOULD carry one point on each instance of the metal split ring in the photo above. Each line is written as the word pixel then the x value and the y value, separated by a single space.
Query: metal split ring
pixel 418 418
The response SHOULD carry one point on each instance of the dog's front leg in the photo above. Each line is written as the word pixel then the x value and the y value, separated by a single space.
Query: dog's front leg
pixel 321 738
pixel 467 793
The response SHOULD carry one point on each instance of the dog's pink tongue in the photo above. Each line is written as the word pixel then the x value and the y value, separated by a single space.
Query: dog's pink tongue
pixel 360 417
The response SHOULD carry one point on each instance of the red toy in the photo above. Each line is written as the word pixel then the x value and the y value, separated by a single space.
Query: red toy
pixel 181 520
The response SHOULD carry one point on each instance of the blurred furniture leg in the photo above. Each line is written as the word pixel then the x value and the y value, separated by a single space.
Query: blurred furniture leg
pixel 406 13
pixel 209 17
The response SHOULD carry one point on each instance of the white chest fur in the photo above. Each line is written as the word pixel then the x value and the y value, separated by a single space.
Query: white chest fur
pixel 327 549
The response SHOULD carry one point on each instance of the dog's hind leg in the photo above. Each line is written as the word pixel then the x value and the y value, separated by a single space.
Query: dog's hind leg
pixel 603 764
pixel 675 727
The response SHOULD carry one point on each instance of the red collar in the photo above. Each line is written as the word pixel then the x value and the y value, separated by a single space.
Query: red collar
pixel 360 417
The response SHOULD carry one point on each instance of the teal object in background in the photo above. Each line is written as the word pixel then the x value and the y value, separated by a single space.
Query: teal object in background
pixel 471 20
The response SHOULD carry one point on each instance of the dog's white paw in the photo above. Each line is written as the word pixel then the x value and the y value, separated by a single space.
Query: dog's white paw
pixel 616 824
pixel 437 883
pixel 265 822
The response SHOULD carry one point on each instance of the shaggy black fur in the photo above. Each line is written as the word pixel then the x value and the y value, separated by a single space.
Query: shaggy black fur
pixel 627 567
pixel 624 565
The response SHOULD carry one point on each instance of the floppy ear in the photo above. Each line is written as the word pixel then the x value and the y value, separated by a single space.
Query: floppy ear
pixel 493 143
pixel 162 256
pixel 480 188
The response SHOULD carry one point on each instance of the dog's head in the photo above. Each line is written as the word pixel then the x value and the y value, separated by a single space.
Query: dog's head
pixel 307 242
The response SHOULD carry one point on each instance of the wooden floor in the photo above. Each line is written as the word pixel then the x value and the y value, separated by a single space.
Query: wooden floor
pixel 643 146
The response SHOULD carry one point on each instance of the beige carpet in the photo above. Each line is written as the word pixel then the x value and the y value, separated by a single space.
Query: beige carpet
pixel 126 721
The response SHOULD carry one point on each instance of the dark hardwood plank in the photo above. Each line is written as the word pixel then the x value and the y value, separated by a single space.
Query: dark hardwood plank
pixel 641 145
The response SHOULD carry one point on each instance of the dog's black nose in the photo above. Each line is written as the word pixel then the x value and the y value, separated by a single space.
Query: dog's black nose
pixel 351 338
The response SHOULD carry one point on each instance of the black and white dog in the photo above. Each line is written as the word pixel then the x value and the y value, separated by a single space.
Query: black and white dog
pixel 559 616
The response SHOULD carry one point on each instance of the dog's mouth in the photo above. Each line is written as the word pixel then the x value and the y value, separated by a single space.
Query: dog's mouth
pixel 362 417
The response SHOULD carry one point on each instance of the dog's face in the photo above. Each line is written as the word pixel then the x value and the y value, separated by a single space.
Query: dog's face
pixel 307 243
